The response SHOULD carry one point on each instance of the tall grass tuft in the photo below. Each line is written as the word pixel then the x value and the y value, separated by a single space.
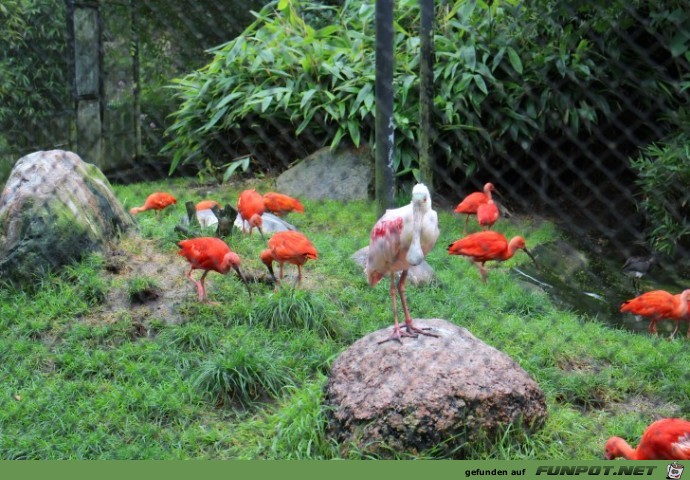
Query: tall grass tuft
pixel 296 309
pixel 242 374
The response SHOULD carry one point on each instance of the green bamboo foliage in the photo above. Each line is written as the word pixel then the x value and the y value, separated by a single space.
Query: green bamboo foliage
pixel 307 71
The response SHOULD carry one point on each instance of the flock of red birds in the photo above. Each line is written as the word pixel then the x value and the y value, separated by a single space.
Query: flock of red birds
pixel 213 254
pixel 401 239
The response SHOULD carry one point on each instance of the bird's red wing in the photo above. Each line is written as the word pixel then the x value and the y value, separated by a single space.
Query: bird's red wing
pixel 384 247
pixel 487 214
pixel 279 203
pixel 205 253
pixel 250 203
pixel 291 245
pixel 666 439
pixel 655 303
pixel 159 200
pixel 207 205
pixel 471 202
pixel 482 246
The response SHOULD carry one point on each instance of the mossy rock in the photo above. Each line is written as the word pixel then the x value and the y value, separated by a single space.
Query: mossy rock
pixel 54 209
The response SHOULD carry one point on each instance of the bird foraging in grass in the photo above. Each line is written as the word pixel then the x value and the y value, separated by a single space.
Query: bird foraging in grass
pixel 209 254
pixel 659 304
pixel 250 205
pixel 471 203
pixel 280 204
pixel 156 201
pixel 665 439
pixel 288 247
pixel 482 247
pixel 399 240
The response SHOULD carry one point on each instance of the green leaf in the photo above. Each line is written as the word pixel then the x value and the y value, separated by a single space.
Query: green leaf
pixel 481 85
pixel 469 56
pixel 233 166
pixel 353 128
pixel 265 103
pixel 514 60
pixel 336 139
pixel 282 5
pixel 306 96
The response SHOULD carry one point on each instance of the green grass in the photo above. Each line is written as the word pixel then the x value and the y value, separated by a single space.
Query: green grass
pixel 245 378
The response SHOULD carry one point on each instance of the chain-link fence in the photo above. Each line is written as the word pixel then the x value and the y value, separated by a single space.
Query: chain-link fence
pixel 575 111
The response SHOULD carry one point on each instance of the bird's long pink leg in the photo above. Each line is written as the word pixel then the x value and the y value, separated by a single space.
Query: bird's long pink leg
pixel 199 287
pixel 397 333
pixel 299 275
pixel 408 319
pixel 203 297
pixel 652 326
pixel 281 271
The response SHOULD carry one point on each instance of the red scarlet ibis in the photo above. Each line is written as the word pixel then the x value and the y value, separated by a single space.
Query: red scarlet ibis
pixel 280 204
pixel 288 247
pixel 487 214
pixel 482 247
pixel 206 205
pixel 209 254
pixel 665 439
pixel 399 240
pixel 156 201
pixel 659 304
pixel 471 202
pixel 250 205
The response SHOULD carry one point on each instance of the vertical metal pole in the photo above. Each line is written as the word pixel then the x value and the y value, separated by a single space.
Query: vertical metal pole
pixel 426 93
pixel 71 39
pixel 385 181
pixel 134 52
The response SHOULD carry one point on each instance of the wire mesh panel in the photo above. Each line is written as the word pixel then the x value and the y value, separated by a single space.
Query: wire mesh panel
pixel 574 112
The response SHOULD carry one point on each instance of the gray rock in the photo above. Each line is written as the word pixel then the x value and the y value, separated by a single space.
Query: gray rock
pixel 345 174
pixel 54 209
pixel 422 274
pixel 415 396
pixel 271 224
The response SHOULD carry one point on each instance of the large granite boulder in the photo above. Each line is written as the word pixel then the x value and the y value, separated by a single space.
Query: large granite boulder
pixel 344 174
pixel 54 209
pixel 427 392
pixel 422 274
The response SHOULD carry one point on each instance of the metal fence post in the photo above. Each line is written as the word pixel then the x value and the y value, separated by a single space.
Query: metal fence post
pixel 426 93
pixel 385 181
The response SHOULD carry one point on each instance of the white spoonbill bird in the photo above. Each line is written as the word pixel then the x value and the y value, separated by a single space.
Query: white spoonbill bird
pixel 401 239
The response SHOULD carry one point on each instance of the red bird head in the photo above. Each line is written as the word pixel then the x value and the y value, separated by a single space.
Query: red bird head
pixel 488 188
pixel 230 260
pixel 256 221
pixel 267 259
pixel 612 448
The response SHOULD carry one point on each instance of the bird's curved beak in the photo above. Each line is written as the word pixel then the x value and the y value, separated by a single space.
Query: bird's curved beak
pixel 529 254
pixel 244 279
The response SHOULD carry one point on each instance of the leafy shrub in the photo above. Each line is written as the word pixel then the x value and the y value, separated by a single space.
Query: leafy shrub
pixel 663 174
pixel 284 78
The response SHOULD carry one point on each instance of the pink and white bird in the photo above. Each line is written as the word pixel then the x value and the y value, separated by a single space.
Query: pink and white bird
pixel 401 239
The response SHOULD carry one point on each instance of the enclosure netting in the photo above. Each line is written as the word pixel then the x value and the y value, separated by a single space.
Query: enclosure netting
pixel 575 112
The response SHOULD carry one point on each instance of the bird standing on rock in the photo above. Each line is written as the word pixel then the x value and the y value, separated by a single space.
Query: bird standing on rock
pixel 288 247
pixel 250 205
pixel 280 204
pixel 399 240
pixel 156 201
pixel 659 304
pixel 665 439
pixel 482 247
pixel 471 203
pixel 209 254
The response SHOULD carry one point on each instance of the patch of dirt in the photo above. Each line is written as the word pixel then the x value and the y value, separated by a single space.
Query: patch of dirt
pixel 654 407
pixel 134 258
